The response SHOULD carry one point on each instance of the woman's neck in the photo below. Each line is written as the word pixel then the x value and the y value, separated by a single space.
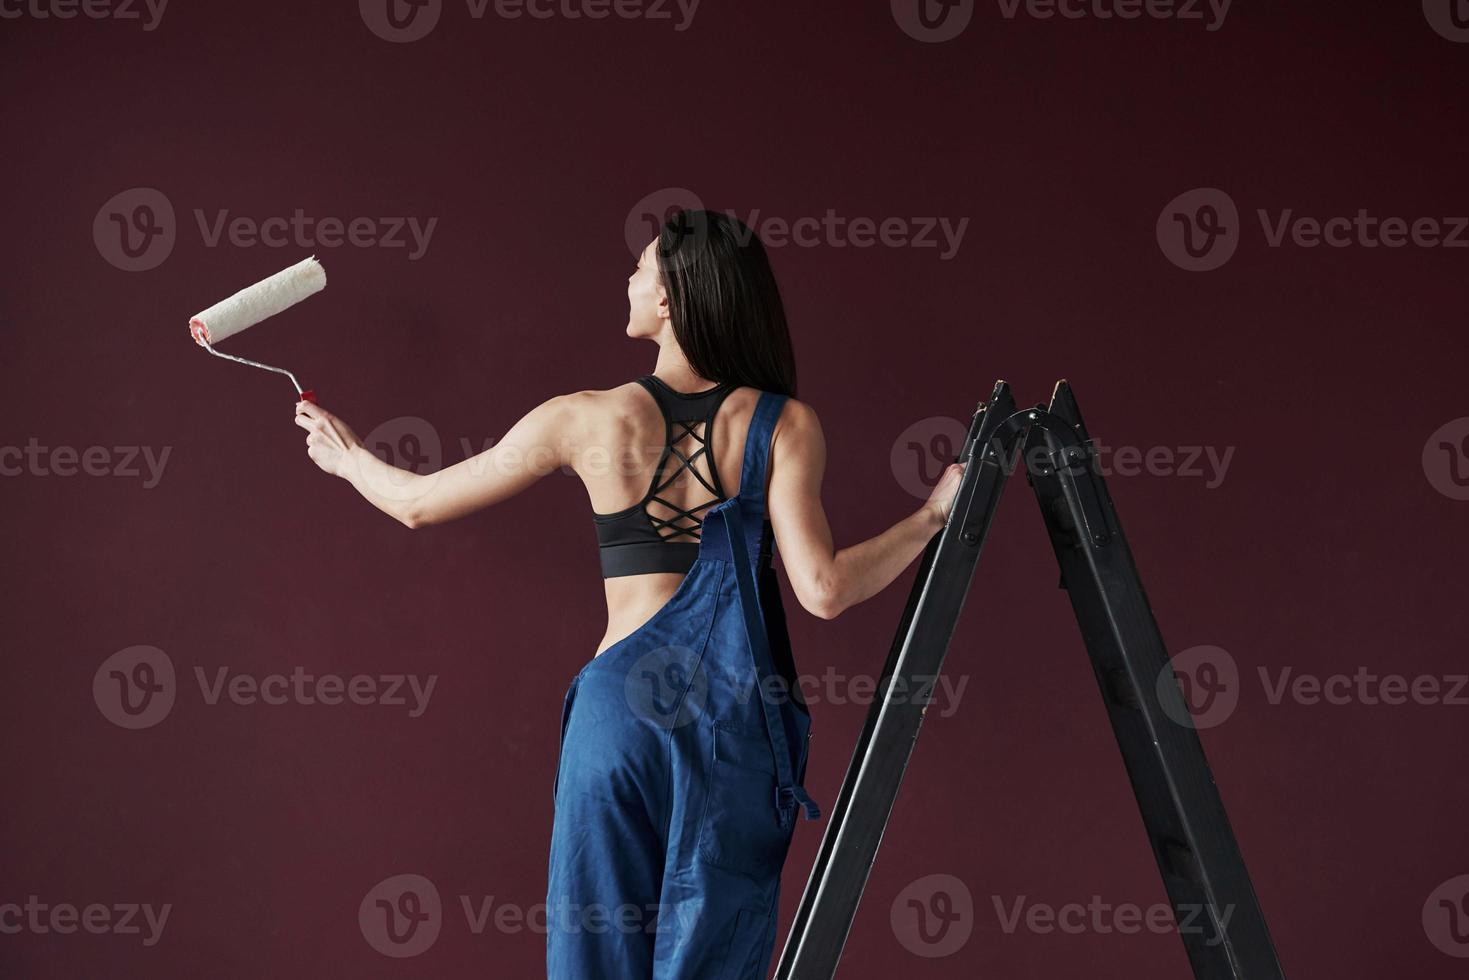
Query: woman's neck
pixel 673 368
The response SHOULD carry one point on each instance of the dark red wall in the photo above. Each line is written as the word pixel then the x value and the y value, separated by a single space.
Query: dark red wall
pixel 1332 545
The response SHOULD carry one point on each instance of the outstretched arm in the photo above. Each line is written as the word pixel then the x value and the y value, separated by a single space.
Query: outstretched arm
pixel 827 581
pixel 534 446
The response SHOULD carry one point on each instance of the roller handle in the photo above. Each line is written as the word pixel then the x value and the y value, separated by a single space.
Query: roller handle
pixel 309 395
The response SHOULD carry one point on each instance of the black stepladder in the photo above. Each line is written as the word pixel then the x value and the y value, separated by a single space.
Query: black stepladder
pixel 1222 927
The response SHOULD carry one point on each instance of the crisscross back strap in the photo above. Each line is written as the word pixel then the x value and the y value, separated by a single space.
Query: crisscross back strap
pixel 688 428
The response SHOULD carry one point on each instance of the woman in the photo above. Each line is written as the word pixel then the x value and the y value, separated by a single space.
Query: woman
pixel 684 738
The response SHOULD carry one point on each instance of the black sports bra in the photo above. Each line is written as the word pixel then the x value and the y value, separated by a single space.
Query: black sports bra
pixel 633 541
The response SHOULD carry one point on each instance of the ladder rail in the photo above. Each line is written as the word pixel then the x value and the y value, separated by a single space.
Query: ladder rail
pixel 1220 921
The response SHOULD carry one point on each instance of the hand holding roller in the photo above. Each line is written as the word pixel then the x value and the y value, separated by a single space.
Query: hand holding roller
pixel 255 303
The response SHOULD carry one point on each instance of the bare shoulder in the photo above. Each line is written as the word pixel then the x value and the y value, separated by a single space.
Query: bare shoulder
pixel 605 402
pixel 798 427
pixel 597 411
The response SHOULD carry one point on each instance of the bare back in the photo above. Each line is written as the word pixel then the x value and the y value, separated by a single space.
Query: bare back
pixel 623 436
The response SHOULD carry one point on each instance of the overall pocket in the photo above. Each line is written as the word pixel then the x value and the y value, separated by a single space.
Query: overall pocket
pixel 740 830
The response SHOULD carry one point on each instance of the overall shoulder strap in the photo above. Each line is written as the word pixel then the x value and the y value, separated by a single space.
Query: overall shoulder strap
pixel 757 453
pixel 747 515
pixel 790 793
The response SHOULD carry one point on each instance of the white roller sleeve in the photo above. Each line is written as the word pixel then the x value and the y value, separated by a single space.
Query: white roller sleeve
pixel 255 303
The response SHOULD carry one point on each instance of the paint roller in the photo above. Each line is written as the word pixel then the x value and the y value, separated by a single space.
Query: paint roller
pixel 255 303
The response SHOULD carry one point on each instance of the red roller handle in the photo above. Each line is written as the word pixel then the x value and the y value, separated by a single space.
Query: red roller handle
pixel 309 395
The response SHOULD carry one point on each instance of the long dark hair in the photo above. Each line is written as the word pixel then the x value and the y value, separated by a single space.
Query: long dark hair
pixel 725 306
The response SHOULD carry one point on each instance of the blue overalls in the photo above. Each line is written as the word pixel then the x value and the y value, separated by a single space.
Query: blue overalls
pixel 681 763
